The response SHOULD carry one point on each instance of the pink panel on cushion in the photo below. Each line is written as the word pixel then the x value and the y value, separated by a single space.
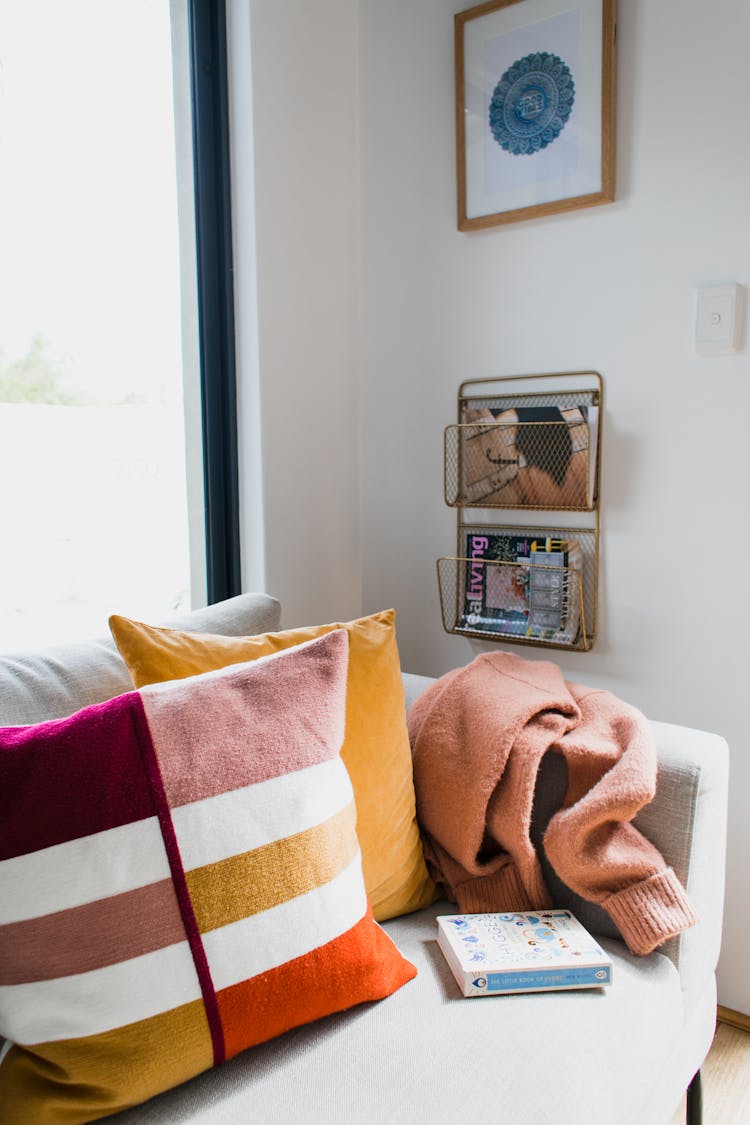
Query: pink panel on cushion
pixel 88 776
pixel 187 716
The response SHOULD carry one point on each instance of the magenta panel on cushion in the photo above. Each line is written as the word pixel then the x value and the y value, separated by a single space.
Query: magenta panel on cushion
pixel 87 776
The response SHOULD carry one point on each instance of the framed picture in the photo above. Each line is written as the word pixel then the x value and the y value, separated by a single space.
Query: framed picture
pixel 535 105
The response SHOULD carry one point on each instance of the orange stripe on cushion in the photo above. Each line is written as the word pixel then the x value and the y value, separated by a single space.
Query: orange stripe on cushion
pixel 100 933
pixel 362 964
pixel 112 1071
pixel 243 885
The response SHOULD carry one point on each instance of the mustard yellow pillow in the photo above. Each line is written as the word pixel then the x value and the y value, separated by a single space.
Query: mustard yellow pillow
pixel 376 744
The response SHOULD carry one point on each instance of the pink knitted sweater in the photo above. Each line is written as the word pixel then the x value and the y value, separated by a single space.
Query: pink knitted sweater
pixel 478 737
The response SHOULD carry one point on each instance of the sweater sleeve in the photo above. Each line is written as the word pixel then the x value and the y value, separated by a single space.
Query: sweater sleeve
pixel 474 811
pixel 591 843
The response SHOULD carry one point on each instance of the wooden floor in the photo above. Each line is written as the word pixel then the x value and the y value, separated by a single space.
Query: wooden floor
pixel 726 1080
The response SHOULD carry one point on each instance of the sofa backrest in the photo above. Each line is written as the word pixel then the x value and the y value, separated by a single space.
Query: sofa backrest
pixel 55 682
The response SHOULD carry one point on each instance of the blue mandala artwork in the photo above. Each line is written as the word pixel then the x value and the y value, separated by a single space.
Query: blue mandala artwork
pixel 531 103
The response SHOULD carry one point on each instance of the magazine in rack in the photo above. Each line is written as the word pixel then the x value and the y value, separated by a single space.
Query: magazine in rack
pixel 524 443
pixel 534 456
pixel 520 584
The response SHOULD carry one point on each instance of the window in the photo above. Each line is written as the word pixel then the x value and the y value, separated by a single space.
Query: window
pixel 115 372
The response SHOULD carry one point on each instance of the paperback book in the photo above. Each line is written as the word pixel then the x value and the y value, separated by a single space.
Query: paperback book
pixel 527 951
pixel 521 584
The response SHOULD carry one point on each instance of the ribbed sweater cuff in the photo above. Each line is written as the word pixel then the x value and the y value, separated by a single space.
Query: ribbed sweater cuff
pixel 649 913
pixel 501 891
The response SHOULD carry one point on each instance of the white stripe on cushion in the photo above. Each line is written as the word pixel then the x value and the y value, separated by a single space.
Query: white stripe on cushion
pixel 100 1000
pixel 244 819
pixel 105 999
pixel 264 941
pixel 83 870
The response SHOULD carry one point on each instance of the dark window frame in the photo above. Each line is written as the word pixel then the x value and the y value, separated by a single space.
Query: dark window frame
pixel 213 222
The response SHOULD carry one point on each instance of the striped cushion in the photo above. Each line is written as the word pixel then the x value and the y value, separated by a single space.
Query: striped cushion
pixel 376 749
pixel 180 879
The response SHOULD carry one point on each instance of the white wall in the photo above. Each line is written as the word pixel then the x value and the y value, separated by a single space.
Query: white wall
pixel 610 288
pixel 300 372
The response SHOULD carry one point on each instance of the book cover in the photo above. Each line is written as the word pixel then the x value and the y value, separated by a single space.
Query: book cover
pixel 540 456
pixel 521 585
pixel 527 951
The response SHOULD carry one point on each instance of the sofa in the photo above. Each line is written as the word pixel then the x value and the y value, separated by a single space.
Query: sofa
pixel 624 1055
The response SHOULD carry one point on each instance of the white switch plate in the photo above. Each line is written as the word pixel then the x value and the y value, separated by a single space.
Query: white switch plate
pixel 718 314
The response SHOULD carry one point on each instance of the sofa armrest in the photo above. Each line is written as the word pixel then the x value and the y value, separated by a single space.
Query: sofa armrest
pixel 686 821
pixel 414 686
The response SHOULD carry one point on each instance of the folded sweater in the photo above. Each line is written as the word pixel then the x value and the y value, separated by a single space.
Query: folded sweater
pixel 478 736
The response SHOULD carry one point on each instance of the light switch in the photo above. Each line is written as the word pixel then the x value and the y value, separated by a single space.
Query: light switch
pixel 717 320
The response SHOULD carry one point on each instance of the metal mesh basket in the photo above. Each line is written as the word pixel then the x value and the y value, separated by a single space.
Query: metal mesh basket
pixel 524 443
pixel 534 451
pixel 499 587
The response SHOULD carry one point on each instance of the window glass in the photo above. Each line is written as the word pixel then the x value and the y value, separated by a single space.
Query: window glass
pixel 93 346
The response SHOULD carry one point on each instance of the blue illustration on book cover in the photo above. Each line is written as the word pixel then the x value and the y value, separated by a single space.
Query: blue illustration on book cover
pixel 531 103
pixel 526 951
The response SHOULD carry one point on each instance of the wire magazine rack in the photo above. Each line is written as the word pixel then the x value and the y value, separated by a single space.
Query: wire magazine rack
pixel 524 445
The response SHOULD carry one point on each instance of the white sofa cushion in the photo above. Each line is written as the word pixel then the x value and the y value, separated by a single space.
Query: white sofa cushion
pixel 55 682
pixel 427 1054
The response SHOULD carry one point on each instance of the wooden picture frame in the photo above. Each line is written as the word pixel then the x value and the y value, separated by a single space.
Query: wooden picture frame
pixel 535 109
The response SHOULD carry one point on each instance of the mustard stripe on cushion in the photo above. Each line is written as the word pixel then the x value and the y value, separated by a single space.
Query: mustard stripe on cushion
pixel 101 999
pixel 265 941
pixel 225 892
pixel 87 937
pixel 187 716
pixel 244 819
pixel 111 1071
pixel 80 871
